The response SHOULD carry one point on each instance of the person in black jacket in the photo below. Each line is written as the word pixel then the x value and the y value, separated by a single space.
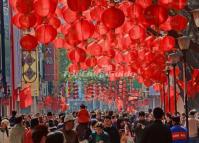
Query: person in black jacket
pixel 111 130
pixel 157 132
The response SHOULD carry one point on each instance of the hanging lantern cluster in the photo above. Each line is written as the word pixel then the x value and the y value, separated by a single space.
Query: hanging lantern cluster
pixel 112 38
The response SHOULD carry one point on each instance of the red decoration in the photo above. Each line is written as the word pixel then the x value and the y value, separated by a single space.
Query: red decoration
pixel 79 5
pixel 69 15
pixel 55 22
pixel 156 14
pixel 28 43
pixel 94 49
pixel 96 13
pixel 91 62
pixel 137 32
pixel 79 31
pixel 179 23
pixel 178 4
pixel 44 8
pixel 77 55
pixel 24 6
pixel 73 68
pixel 45 33
pixel 144 3
pixel 113 18
pixel 167 43
pixel 27 20
pixel 25 98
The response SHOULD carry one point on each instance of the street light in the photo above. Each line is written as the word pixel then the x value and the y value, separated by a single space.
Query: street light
pixel 175 58
pixel 168 90
pixel 184 43
pixel 195 14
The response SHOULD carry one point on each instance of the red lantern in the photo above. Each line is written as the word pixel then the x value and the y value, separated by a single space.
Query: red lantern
pixel 28 43
pixel 77 55
pixel 156 14
pixel 94 49
pixel 45 33
pixel 113 17
pixel 144 3
pixel 80 31
pixel 79 5
pixel 102 61
pixel 24 6
pixel 73 68
pixel 137 32
pixel 69 15
pixel 44 8
pixel 167 43
pixel 15 20
pixel 27 21
pixel 96 13
pixel 59 43
pixel 91 62
pixel 178 4
pixel 178 22
pixel 55 22
pixel 135 11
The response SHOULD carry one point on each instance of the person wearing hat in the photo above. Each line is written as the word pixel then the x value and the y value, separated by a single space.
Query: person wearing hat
pixel 99 136
pixel 69 134
pixel 4 131
pixel 179 133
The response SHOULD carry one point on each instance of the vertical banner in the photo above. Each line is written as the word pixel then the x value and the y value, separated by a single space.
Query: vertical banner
pixel 17 58
pixel 49 63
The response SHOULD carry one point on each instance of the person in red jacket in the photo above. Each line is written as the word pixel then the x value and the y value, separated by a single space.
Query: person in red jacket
pixel 83 118
pixel 83 115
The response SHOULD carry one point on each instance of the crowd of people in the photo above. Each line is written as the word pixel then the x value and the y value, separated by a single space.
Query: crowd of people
pixel 100 127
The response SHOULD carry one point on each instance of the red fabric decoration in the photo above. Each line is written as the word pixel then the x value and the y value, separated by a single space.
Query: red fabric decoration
pixel 77 55
pixel 25 98
pixel 79 5
pixel 156 14
pixel 24 6
pixel 28 43
pixel 113 18
pixel 135 11
pixel 27 20
pixel 45 33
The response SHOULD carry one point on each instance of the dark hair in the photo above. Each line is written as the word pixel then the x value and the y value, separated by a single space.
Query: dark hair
pixel 99 125
pixel 150 110
pixel 55 137
pixel 141 114
pixel 158 113
pixel 34 122
pixel 93 122
pixel 18 120
pixel 107 117
pixel 51 123
pixel 14 113
pixel 176 119
pixel 49 114
pixel 38 132
pixel 168 115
